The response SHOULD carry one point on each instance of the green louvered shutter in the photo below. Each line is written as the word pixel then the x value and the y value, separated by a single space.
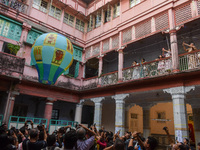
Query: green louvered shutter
pixel 66 72
pixel 76 70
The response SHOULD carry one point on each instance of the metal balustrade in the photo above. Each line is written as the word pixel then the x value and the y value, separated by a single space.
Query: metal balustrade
pixel 110 78
pixel 19 6
pixel 18 122
pixel 189 61
pixel 56 124
pixel 148 69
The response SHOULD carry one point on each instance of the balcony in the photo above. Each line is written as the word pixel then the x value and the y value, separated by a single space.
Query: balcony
pixel 187 62
pixel 11 64
pixel 18 6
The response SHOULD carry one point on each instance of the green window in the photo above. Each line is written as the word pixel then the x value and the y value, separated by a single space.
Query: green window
pixel 32 35
pixel 10 28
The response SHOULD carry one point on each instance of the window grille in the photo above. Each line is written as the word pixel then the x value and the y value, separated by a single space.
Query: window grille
pixel 68 19
pixel 134 2
pixel 107 14
pixel 198 7
pixel 96 49
pixel 116 10
pixel 55 12
pixel 80 25
pixel 98 20
pixel 182 14
pixel 127 35
pixel 106 45
pixel 90 24
pixel 143 29
pixel 115 41
pixel 161 21
pixel 40 5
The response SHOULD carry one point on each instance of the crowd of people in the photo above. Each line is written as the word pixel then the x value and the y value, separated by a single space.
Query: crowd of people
pixel 76 138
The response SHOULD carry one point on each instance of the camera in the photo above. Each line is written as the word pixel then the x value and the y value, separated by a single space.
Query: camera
pixel 40 127
pixel 165 128
pixel 76 125
pixel 55 132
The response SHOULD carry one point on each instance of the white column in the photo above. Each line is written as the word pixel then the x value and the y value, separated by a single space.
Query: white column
pixel 120 112
pixel 97 111
pixel 78 113
pixel 179 109
pixel 196 118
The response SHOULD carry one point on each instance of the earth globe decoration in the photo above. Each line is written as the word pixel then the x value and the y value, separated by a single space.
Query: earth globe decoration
pixel 52 54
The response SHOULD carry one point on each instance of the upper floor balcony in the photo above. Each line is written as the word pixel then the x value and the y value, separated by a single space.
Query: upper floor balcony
pixel 14 4
pixel 10 64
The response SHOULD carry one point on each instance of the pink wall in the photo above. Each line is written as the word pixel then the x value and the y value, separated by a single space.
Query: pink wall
pixel 38 14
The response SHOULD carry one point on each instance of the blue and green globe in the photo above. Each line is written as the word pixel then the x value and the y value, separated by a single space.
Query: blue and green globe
pixel 52 54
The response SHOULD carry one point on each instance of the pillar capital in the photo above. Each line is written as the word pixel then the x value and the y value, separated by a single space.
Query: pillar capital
pixel 97 99
pixel 13 94
pixel 119 98
pixel 179 90
pixel 50 100
pixel 26 26
pixel 147 106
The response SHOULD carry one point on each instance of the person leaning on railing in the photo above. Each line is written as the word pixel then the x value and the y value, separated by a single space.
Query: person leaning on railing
pixel 190 46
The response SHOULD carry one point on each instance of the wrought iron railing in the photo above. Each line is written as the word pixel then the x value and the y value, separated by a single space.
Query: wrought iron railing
pixel 148 69
pixel 189 61
pixel 18 121
pixel 56 124
pixel 19 6
pixel 10 63
pixel 109 78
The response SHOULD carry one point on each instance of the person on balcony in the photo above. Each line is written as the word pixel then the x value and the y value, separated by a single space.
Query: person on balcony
pixel 136 70
pixel 161 64
pixel 192 61
pixel 144 70
pixel 168 62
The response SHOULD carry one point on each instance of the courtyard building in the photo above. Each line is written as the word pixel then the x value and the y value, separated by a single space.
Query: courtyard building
pixel 136 66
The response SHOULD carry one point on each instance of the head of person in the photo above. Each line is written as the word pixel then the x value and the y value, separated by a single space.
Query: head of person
pixel 198 146
pixel 34 134
pixel 127 135
pixel 185 141
pixel 24 130
pixel 81 132
pixel 119 144
pixel 150 143
pixel 70 139
pixel 51 140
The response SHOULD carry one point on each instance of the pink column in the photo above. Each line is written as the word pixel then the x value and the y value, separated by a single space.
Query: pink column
pixel 120 65
pixel 194 8
pixel 48 110
pixel 10 105
pixel 23 38
pixel 1 46
pixel 173 41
